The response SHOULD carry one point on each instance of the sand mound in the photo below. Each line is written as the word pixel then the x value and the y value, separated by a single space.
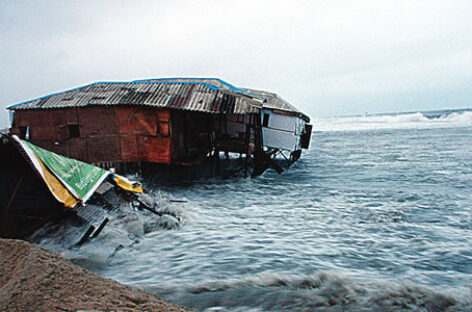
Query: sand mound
pixel 33 279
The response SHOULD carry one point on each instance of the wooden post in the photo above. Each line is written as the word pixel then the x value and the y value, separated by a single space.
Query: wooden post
pixel 258 147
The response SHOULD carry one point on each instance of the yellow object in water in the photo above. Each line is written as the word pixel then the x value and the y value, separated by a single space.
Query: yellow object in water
pixel 128 185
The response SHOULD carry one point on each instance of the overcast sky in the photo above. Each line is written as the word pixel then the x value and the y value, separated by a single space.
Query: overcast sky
pixel 329 58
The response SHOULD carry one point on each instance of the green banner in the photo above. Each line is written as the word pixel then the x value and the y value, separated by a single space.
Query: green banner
pixel 80 178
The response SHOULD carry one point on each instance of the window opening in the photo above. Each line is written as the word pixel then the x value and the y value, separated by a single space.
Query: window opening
pixel 74 131
pixel 24 132
pixel 265 121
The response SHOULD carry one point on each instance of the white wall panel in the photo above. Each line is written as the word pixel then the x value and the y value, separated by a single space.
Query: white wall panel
pixel 279 139
pixel 281 122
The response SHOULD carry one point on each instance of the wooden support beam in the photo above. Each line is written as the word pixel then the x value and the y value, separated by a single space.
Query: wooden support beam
pixel 100 228
pixel 86 236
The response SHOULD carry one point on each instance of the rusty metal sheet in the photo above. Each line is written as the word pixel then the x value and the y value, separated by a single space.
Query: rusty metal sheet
pixel 154 149
pixel 137 120
pixel 44 132
pixel 145 122
pixel 97 120
pixel 69 116
pixel 125 119
pixel 163 115
pixel 43 117
pixel 21 118
pixel 129 148
pixel 77 149
pixel 164 129
pixel 104 148
pixel 39 118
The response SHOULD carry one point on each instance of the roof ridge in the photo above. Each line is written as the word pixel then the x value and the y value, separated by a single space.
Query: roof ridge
pixel 160 82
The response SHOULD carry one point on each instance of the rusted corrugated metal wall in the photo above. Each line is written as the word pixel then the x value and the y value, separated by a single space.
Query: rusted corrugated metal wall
pixel 145 134
pixel 47 130
pixel 106 134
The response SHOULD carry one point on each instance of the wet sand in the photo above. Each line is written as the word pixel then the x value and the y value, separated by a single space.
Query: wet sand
pixel 33 279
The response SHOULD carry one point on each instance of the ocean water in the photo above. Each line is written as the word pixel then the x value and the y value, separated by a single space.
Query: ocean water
pixel 377 215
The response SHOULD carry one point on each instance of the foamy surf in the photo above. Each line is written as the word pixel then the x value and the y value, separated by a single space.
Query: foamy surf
pixel 128 225
pixel 401 121
pixel 323 291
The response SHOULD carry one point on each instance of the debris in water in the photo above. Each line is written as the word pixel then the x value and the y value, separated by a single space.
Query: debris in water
pixel 71 201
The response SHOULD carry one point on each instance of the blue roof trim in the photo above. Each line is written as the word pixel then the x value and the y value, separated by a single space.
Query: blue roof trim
pixel 234 88
pixel 160 82
pixel 113 82
pixel 172 78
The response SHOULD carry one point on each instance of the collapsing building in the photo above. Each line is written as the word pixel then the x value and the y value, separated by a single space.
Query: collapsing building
pixel 41 190
pixel 36 185
pixel 176 121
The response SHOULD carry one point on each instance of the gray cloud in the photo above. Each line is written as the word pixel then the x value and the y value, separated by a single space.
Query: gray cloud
pixel 326 57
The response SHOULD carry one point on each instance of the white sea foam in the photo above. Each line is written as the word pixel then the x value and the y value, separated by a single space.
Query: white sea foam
pixel 323 291
pixel 401 121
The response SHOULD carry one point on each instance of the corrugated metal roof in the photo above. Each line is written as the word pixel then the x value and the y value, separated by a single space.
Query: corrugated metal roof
pixel 270 100
pixel 274 101
pixel 195 94
pixel 217 82
pixel 184 95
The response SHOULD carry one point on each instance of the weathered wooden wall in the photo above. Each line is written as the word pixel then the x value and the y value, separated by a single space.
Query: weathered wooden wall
pixel 131 134
pixel 107 134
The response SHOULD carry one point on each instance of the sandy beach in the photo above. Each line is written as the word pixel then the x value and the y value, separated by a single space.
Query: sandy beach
pixel 33 279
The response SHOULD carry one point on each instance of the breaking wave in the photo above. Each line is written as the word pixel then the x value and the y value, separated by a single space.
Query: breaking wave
pixel 325 291
pixel 127 227
pixel 400 121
